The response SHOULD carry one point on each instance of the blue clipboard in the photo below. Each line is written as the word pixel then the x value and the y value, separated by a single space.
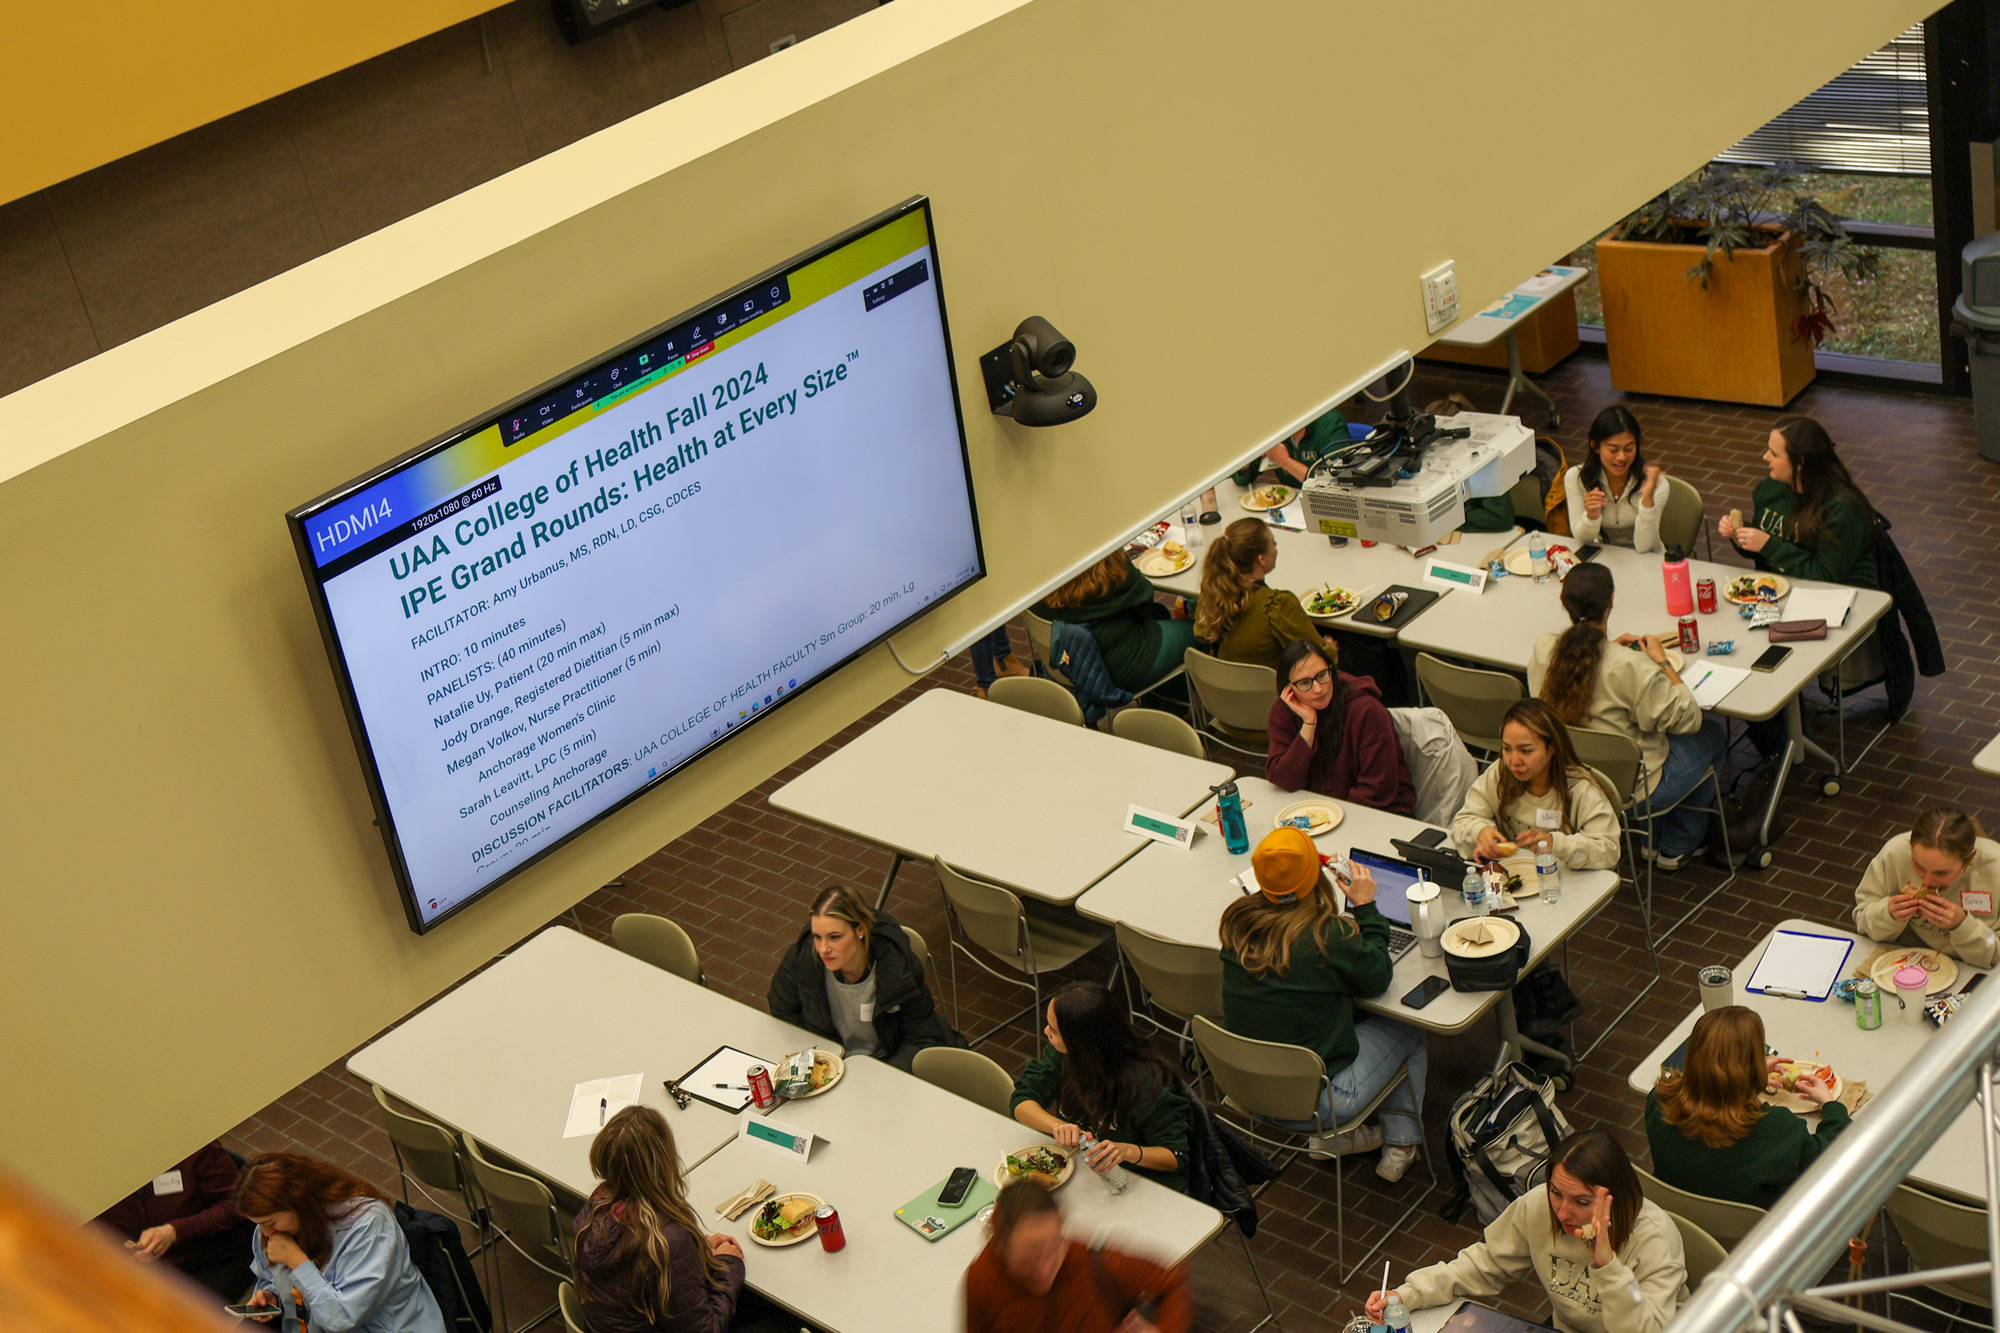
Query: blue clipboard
pixel 1802 965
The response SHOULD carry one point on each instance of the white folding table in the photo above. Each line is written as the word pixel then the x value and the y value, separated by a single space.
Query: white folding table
pixel 1503 320
pixel 1825 1030
pixel 499 1057
pixel 1500 626
pixel 889 1136
pixel 1180 896
pixel 1022 800
pixel 1988 758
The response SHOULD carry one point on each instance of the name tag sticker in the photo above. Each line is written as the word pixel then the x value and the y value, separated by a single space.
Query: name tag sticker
pixel 777 1136
pixel 1444 574
pixel 1160 828
pixel 1979 901
pixel 868 1011
pixel 1548 819
pixel 168 1182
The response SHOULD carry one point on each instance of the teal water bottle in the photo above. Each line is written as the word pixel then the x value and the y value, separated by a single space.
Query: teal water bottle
pixel 1229 815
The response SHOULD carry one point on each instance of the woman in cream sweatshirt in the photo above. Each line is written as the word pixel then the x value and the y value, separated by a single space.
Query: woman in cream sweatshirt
pixel 1934 886
pixel 1615 496
pixel 1629 1276
pixel 1538 793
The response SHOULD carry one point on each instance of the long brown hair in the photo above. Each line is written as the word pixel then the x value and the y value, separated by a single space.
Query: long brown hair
pixel 1228 573
pixel 1571 681
pixel 1333 717
pixel 1952 832
pixel 1819 477
pixel 1599 1161
pixel 1564 767
pixel 1262 933
pixel 1713 1096
pixel 1109 1069
pixel 1612 422
pixel 316 1192
pixel 1109 573
pixel 635 1158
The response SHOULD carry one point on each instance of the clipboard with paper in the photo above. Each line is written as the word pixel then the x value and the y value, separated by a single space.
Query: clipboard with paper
pixel 1800 965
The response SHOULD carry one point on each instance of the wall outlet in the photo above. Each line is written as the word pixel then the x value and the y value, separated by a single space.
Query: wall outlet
pixel 1441 297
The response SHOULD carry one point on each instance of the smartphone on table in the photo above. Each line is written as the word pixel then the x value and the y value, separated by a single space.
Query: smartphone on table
pixel 1772 658
pixel 1426 991
pixel 956 1185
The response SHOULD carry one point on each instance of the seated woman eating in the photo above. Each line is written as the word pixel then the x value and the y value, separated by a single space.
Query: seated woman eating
pixel 1609 1259
pixel 1292 968
pixel 1246 620
pixel 1330 733
pixel 1709 1132
pixel 1637 694
pixel 1616 497
pixel 1097 1077
pixel 1138 638
pixel 1538 794
pixel 1934 886
pixel 852 978
pixel 643 1262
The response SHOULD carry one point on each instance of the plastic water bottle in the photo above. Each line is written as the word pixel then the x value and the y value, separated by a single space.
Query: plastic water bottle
pixel 1538 557
pixel 1550 875
pixel 1115 1179
pixel 1473 890
pixel 1190 525
pixel 1394 1317
pixel 1229 817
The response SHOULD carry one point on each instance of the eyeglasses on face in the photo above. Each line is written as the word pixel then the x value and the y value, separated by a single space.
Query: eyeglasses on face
pixel 1314 682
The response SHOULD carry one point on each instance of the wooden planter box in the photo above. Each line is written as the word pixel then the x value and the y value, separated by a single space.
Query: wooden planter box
pixel 1546 337
pixel 1731 341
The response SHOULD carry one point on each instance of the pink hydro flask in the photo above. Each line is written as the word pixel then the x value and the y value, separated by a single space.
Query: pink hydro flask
pixel 1680 590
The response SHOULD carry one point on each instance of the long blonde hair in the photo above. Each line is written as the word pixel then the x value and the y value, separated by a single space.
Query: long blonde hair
pixel 635 1158
pixel 1228 573
pixel 1262 934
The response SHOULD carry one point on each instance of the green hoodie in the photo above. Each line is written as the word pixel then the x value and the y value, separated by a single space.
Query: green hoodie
pixel 1126 622
pixel 1843 553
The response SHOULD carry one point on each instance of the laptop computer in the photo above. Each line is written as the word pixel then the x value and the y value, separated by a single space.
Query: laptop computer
pixel 1393 879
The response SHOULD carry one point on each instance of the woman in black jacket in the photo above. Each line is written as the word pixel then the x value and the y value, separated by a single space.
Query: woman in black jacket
pixel 852 978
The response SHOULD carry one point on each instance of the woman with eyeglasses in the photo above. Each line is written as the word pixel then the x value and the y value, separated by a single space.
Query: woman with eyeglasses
pixel 1331 733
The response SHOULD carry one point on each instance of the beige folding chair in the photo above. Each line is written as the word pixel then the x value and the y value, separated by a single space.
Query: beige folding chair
pixel 658 941
pixel 428 1153
pixel 1234 699
pixel 1151 726
pixel 1030 940
pixel 1037 694
pixel 1530 500
pixel 1701 1253
pixel 920 949
pixel 1942 1234
pixel 1474 699
pixel 1685 518
pixel 1270 1081
pixel 525 1215
pixel 1180 978
pixel 572 1308
pixel 1725 1221
pixel 1041 635
pixel 967 1073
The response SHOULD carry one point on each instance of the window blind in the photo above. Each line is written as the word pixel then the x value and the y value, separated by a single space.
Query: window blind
pixel 1872 118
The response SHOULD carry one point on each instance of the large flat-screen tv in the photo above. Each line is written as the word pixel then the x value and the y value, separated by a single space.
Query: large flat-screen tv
pixel 540 615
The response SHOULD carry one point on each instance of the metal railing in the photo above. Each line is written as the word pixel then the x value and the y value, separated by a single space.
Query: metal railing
pixel 1773 1271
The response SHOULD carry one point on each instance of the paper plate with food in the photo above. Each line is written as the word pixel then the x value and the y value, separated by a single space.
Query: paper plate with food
pixel 1047 1164
pixel 1751 589
pixel 1261 498
pixel 1786 1093
pixel 1522 561
pixel 1321 816
pixel 785 1219
pixel 1942 967
pixel 1480 936
pixel 807 1073
pixel 1331 601
pixel 1170 558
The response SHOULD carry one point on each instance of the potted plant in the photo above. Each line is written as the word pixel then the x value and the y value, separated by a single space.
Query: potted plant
pixel 1712 290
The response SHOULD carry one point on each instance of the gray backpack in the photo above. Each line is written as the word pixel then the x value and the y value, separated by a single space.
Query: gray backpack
pixel 1502 1135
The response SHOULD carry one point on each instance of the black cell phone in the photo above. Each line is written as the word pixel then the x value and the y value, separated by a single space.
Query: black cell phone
pixel 253 1311
pixel 1430 837
pixel 1773 657
pixel 1586 554
pixel 956 1185
pixel 1429 989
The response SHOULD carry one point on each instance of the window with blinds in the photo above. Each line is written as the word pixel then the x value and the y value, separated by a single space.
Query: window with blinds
pixel 1872 118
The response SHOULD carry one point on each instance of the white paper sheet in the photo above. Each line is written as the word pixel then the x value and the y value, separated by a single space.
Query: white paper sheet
pixel 728 1067
pixel 1805 964
pixel 1711 681
pixel 1828 604
pixel 592 1103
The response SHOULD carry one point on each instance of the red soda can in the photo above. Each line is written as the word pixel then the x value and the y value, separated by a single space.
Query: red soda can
pixel 761 1091
pixel 831 1237
pixel 1690 635
pixel 1704 596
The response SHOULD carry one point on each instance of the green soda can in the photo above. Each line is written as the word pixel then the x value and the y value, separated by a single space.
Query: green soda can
pixel 1867 1004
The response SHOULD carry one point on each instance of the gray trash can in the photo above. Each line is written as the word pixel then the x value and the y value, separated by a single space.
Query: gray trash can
pixel 1975 317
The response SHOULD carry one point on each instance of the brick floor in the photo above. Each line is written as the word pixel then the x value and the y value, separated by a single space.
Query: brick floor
pixel 1915 457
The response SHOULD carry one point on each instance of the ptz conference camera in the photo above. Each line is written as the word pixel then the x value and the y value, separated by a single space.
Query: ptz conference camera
pixel 1030 378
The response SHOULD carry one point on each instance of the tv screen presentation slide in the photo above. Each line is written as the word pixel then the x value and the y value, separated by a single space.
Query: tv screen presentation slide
pixel 544 613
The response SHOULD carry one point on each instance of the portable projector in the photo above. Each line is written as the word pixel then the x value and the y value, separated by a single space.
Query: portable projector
pixel 1419 509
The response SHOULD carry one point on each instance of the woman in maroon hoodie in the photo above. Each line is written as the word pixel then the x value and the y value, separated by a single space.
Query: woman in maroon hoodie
pixel 1331 734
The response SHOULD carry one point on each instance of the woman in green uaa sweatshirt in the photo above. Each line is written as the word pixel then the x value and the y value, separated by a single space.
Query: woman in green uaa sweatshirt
pixel 1097 1077
pixel 1709 1132
pixel 1812 521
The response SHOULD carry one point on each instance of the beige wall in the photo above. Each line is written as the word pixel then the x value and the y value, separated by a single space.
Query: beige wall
pixel 1226 216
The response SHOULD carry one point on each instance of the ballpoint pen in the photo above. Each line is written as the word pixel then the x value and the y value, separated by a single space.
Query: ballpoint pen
pixel 733 1087
pixel 1785 994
